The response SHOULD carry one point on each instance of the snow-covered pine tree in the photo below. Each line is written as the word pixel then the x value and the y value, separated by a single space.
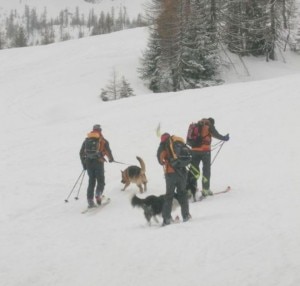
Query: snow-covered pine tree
pixel 2 40
pixel 182 51
pixel 20 39
pixel 125 89
pixel 149 69
pixel 200 58
pixel 48 36
pixel 256 26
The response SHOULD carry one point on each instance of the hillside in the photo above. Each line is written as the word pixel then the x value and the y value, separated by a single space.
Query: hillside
pixel 30 22
pixel 49 101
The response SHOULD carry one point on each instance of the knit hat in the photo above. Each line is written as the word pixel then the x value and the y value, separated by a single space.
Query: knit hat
pixel 97 127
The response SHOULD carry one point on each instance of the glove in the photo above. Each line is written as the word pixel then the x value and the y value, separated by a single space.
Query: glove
pixel 226 137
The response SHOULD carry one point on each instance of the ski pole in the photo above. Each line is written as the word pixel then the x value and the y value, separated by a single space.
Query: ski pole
pixel 76 198
pixel 194 171
pixel 120 163
pixel 66 200
pixel 217 153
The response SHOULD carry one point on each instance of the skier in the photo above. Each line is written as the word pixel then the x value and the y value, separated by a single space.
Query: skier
pixel 92 153
pixel 202 152
pixel 175 181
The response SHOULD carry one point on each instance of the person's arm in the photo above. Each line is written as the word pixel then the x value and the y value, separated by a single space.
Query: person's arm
pixel 108 151
pixel 82 155
pixel 214 133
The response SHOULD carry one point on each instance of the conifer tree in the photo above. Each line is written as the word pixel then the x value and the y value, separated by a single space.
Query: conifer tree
pixel 256 26
pixel 20 39
pixel 125 89
pixel 2 42
pixel 200 46
pixel 149 70
pixel 33 20
pixel 11 27
pixel 183 51
pixel 76 18
pixel 48 36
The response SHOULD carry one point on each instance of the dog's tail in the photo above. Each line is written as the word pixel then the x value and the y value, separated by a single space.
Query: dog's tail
pixel 137 202
pixel 142 163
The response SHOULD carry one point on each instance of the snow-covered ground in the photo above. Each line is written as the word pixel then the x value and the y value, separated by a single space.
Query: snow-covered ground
pixel 49 101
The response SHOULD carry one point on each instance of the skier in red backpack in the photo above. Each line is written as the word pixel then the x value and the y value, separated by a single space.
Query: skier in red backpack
pixel 201 152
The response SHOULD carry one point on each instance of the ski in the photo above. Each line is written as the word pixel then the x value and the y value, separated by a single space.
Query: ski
pixel 224 191
pixel 201 198
pixel 97 207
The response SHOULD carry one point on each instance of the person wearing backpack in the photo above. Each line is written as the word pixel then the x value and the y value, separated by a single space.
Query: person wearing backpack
pixel 175 176
pixel 201 152
pixel 92 153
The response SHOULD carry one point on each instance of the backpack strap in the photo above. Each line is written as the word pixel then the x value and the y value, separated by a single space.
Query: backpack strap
pixel 173 139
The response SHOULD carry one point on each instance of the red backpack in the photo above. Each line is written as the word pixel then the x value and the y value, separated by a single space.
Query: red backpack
pixel 193 137
pixel 195 134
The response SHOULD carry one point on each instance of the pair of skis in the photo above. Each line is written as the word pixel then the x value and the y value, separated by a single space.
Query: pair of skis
pixel 96 207
pixel 107 201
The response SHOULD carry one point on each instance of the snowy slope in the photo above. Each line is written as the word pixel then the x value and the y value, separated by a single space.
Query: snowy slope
pixel 49 101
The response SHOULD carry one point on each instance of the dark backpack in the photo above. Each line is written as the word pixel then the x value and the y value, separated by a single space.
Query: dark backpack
pixel 181 154
pixel 91 147
pixel 194 137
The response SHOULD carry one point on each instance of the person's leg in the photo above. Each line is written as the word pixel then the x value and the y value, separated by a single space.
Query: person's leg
pixel 170 188
pixel 99 172
pixel 182 195
pixel 206 157
pixel 92 182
